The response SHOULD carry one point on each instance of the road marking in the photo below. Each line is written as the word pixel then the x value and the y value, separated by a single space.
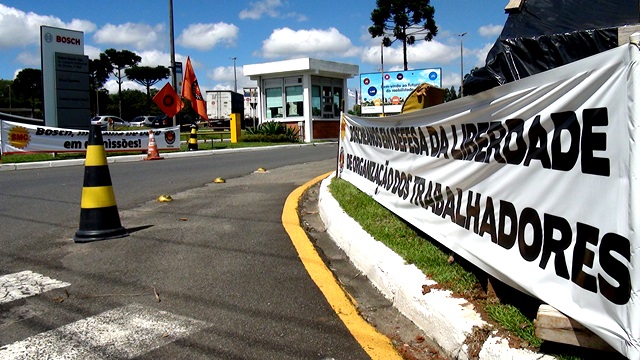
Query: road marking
pixel 26 283
pixel 121 333
pixel 377 346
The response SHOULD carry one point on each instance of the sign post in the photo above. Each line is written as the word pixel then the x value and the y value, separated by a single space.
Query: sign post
pixel 65 78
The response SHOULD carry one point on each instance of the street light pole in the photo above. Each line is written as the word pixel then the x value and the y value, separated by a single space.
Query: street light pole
pixel 10 111
pixel 235 80
pixel 461 65
pixel 173 52
pixel 382 74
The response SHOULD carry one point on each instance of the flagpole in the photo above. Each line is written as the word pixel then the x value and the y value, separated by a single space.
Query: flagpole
pixel 173 51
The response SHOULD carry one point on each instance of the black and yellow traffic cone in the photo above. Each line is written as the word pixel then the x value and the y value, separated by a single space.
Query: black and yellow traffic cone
pixel 193 139
pixel 99 218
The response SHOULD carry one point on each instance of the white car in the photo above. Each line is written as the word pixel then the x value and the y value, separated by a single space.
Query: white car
pixel 113 122
pixel 140 121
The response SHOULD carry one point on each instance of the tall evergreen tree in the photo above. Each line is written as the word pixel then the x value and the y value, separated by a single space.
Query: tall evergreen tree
pixel 405 19
pixel 99 70
pixel 28 86
pixel 120 60
pixel 450 94
pixel 147 76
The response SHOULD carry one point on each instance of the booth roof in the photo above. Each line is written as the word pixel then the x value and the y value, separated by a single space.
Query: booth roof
pixel 301 66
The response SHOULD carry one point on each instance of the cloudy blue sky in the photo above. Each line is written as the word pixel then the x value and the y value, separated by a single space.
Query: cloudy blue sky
pixel 212 32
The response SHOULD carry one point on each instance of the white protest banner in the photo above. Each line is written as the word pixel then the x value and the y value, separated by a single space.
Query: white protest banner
pixel 535 182
pixel 18 138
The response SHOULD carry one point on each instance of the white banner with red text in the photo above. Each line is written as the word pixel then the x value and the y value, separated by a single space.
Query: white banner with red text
pixel 18 138
pixel 535 182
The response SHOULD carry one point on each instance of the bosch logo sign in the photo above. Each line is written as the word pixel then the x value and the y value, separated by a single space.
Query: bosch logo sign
pixel 67 40
pixel 48 37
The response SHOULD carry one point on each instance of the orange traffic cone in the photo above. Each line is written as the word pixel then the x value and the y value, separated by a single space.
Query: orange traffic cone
pixel 152 152
pixel 99 218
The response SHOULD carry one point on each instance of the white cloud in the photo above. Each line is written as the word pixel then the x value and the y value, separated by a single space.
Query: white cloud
pixel 451 79
pixel 222 86
pixel 288 43
pixel 490 31
pixel 92 52
pixel 154 58
pixel 112 86
pixel 138 36
pixel 20 28
pixel 207 36
pixel 426 53
pixel 224 73
pixel 85 26
pixel 223 76
pixel 30 59
pixel 15 73
pixel 480 56
pixel 258 9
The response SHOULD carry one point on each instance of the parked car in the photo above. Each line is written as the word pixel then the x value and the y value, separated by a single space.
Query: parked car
pixel 142 120
pixel 103 124
pixel 113 122
pixel 163 120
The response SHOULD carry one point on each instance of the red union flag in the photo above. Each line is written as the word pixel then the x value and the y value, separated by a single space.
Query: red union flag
pixel 168 100
pixel 191 91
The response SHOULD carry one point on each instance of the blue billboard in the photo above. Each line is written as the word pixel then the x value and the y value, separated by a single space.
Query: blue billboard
pixel 397 86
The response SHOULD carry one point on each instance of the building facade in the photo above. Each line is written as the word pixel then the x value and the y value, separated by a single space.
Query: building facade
pixel 306 93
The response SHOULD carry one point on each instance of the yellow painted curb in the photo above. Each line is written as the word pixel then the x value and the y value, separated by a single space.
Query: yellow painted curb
pixel 376 345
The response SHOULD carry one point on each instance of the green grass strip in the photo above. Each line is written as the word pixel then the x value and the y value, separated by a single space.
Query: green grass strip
pixel 512 319
pixel 415 249
pixel 387 228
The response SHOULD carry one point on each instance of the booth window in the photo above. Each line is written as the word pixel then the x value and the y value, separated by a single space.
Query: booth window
pixel 316 101
pixel 327 102
pixel 294 100
pixel 274 102
pixel 337 101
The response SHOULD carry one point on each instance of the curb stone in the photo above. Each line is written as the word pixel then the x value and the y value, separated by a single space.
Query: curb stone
pixel 447 320
pixel 130 158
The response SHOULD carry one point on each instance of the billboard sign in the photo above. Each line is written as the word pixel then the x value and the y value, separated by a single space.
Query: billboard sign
pixel 52 41
pixel 397 86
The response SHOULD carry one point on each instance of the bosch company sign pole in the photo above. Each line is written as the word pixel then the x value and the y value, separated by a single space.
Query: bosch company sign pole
pixel 62 41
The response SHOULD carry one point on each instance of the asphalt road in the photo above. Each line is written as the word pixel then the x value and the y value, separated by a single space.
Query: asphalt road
pixel 210 275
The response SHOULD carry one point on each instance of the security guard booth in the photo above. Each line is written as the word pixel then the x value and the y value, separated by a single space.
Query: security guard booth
pixel 306 93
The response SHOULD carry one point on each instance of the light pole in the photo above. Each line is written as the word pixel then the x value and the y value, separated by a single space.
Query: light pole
pixel 461 64
pixel 173 52
pixel 235 80
pixel 382 74
pixel 9 87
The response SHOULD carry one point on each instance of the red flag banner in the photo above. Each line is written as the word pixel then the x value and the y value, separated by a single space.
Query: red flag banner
pixel 191 91
pixel 168 100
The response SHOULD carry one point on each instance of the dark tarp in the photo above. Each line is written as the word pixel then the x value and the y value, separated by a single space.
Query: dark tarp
pixel 546 34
